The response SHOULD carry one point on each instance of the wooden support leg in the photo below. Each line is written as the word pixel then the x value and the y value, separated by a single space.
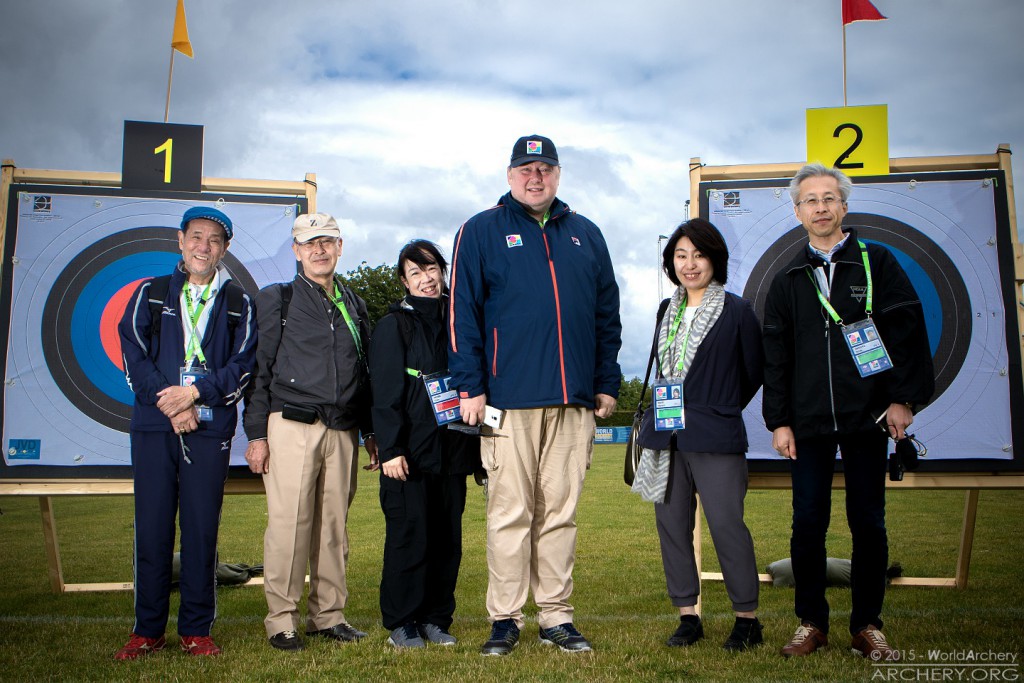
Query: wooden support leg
pixel 56 572
pixel 963 562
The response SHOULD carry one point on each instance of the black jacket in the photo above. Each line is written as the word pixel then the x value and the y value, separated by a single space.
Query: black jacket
pixel 312 361
pixel 725 374
pixel 811 383
pixel 402 414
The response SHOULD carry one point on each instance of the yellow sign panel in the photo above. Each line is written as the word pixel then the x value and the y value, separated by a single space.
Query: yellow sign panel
pixel 853 139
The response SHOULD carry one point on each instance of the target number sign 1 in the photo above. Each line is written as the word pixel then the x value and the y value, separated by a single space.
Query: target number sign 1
pixel 853 139
pixel 162 156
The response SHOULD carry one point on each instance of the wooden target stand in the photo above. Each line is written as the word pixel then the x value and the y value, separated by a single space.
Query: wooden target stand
pixel 46 489
pixel 969 482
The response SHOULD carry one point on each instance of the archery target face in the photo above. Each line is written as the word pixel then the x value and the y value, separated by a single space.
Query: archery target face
pixel 942 232
pixel 77 260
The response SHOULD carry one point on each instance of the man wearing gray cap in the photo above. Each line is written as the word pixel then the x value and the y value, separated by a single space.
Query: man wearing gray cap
pixel 534 331
pixel 310 399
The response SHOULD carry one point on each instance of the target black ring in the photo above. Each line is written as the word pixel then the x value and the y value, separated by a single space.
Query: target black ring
pixel 68 373
pixel 957 322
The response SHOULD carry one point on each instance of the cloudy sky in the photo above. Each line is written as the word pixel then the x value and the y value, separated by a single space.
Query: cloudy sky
pixel 407 110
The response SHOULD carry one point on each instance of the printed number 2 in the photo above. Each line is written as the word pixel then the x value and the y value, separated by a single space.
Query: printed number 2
pixel 841 162
pixel 168 148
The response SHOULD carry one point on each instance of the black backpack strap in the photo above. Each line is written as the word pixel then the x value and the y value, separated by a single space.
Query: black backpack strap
pixel 158 287
pixel 286 299
pixel 654 351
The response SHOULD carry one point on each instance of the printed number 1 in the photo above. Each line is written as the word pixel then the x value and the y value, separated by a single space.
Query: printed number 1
pixel 167 147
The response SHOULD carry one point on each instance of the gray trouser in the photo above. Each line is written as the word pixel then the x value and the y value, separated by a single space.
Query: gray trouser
pixel 721 480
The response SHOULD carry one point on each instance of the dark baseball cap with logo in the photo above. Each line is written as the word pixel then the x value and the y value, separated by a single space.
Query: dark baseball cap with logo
pixel 531 148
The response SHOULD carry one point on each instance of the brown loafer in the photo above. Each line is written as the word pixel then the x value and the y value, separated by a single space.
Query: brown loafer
pixel 806 640
pixel 869 642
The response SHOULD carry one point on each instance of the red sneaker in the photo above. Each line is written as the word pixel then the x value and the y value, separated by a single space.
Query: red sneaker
pixel 199 645
pixel 139 646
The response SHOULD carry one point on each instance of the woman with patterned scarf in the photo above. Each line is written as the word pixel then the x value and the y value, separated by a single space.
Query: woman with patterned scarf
pixel 709 354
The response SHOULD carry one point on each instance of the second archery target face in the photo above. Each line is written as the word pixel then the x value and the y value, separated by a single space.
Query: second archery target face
pixel 943 232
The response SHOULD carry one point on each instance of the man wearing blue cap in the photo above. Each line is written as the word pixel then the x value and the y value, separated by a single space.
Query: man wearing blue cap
pixel 189 346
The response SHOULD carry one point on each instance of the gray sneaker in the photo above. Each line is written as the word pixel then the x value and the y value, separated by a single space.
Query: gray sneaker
pixel 406 636
pixel 435 634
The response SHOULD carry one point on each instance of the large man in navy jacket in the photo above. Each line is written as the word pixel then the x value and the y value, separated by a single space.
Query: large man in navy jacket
pixel 187 357
pixel 534 331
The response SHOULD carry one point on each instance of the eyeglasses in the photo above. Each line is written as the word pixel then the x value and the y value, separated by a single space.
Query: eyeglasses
pixel 324 243
pixel 813 202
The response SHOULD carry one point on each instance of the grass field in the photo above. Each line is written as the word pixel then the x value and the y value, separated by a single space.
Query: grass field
pixel 620 598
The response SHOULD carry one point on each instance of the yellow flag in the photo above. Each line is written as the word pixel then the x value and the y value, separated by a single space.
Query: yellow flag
pixel 180 41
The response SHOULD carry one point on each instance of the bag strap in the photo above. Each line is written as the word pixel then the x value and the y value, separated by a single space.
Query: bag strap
pixel 654 350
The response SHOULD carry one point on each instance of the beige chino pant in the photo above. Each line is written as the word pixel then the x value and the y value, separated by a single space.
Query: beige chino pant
pixel 310 485
pixel 536 464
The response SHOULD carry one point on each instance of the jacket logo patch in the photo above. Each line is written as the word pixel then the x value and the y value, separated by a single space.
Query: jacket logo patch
pixel 168 310
pixel 225 445
pixel 575 240
pixel 858 292
pixel 514 240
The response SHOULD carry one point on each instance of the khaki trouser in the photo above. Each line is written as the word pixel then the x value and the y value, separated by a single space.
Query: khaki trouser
pixel 310 485
pixel 536 464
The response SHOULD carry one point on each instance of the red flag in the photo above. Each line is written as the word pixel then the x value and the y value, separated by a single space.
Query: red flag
pixel 860 10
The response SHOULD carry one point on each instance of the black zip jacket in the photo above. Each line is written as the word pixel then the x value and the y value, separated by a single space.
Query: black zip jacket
pixel 312 361
pixel 811 383
pixel 402 414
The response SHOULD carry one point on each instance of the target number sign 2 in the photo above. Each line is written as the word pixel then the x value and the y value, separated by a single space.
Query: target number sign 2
pixel 162 156
pixel 852 139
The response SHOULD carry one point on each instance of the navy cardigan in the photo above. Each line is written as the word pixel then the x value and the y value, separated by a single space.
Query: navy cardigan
pixel 727 371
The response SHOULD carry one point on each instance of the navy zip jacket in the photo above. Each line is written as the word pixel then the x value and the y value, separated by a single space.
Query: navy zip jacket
pixel 534 317
pixel 811 383
pixel 155 364
pixel 725 374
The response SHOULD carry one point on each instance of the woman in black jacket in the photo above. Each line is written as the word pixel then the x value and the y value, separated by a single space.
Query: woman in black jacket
pixel 423 464
pixel 710 356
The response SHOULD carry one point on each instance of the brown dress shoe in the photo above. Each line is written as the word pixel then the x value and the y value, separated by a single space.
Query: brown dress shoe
pixel 806 640
pixel 869 642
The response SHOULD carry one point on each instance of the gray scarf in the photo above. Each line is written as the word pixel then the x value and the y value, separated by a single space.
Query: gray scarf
pixel 651 480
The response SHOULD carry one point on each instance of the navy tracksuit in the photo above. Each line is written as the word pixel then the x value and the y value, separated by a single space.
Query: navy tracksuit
pixel 167 478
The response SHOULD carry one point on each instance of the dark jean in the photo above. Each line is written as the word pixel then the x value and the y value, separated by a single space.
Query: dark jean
pixel 864 466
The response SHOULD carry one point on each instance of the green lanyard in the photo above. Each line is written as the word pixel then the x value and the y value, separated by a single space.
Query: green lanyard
pixel 194 347
pixel 339 302
pixel 867 272
pixel 673 330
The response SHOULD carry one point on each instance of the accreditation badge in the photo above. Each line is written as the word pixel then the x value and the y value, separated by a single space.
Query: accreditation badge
pixel 188 378
pixel 668 405
pixel 867 348
pixel 443 400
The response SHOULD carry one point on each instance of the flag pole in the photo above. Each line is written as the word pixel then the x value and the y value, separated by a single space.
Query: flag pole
pixel 844 67
pixel 170 73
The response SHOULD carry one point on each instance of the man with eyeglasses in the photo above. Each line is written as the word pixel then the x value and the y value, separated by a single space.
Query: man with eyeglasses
pixel 310 399
pixel 847 359
pixel 534 331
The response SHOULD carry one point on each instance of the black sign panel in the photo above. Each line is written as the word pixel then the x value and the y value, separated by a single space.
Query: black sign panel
pixel 162 156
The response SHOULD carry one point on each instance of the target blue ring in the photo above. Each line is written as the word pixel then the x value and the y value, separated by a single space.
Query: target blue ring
pixel 926 292
pixel 87 314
